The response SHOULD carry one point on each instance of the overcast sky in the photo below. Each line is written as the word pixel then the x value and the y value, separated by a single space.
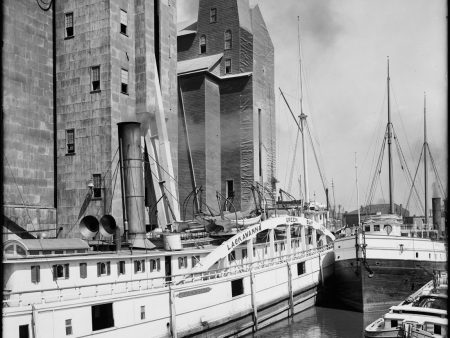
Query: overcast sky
pixel 345 44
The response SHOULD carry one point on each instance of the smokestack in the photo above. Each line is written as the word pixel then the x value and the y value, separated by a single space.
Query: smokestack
pixel 437 213
pixel 131 156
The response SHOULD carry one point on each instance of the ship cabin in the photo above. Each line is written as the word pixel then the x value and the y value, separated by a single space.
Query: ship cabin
pixel 46 270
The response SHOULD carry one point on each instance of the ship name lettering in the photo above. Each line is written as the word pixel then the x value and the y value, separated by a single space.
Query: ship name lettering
pixel 243 236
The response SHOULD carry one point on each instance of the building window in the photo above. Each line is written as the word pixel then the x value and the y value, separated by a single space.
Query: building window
pixel 35 273
pixel 228 39
pixel 142 312
pixel 237 287
pixel 97 179
pixel 124 81
pixel 203 44
pixel 182 262
pixel 123 22
pixel 139 266
pixel 102 316
pixel 213 15
pixel 69 25
pixel 300 268
pixel 103 269
pixel 121 267
pixel 60 271
pixel 195 260
pixel 95 78
pixel 376 227
pixel 227 66
pixel 68 327
pixel 83 270
pixel 24 331
pixel 70 141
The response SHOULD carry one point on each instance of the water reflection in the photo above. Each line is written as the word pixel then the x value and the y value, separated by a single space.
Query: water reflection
pixel 321 322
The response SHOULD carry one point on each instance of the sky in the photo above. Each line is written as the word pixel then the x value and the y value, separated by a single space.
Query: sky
pixel 344 50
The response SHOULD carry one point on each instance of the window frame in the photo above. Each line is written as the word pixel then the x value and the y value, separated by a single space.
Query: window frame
pixel 155 264
pixel 142 312
pixel 35 274
pixel 182 262
pixel 123 26
pixel 70 146
pixel 237 287
pixel 124 85
pixel 139 266
pixel 301 268
pixel 106 271
pixel 121 268
pixel 213 15
pixel 97 189
pixel 228 66
pixel 69 329
pixel 202 44
pixel 83 270
pixel 67 27
pixel 228 40
pixel 95 83
pixel 61 271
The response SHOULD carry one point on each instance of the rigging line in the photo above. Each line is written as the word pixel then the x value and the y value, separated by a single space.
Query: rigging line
pixel 377 171
pixel 433 163
pixel 415 174
pixel 315 156
pixel 290 110
pixel 114 179
pixel 403 156
pixel 293 160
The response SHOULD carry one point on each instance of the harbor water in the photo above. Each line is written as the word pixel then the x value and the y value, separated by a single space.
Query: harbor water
pixel 320 322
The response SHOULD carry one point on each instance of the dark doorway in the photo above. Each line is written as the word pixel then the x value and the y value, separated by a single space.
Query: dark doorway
pixel 168 267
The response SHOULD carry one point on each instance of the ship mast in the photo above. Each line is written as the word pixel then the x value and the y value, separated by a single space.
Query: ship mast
pixel 357 192
pixel 425 147
pixel 302 119
pixel 391 176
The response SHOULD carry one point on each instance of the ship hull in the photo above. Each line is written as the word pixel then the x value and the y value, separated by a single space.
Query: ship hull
pixel 392 281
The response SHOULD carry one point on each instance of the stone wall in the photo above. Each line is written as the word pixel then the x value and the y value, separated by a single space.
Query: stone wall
pixel 28 120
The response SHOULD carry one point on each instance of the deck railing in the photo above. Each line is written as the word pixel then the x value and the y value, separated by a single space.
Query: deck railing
pixel 49 295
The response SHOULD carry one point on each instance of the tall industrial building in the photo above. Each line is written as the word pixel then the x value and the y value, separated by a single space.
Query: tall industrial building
pixel 71 71
pixel 227 115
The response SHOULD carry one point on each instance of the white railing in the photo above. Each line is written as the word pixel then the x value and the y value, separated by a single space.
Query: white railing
pixel 49 295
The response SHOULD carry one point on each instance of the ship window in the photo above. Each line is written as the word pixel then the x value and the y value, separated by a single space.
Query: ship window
pixel 69 25
pixel 68 327
pixel 20 250
pixel 123 22
pixel 300 268
pixel 394 323
pixel 143 312
pixel 417 255
pixel 47 252
pixel 203 44
pixel 376 227
pixel 244 253
pixel 102 316
pixel 182 262
pixel 195 260
pixel 35 273
pixel 155 264
pixel 139 266
pixel 282 247
pixel 9 249
pixel 437 329
pixel 213 15
pixel 95 78
pixel 60 271
pixel 24 331
pixel 232 256
pixel 254 252
pixel 83 270
pixel 276 247
pixel 103 269
pixel 121 267
pixel 33 252
pixel 367 228
pixel 70 251
pixel 59 252
pixel 237 287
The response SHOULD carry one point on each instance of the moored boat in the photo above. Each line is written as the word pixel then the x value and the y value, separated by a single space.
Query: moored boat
pixel 421 315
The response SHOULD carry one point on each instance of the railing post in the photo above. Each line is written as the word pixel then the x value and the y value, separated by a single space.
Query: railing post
pixel 291 293
pixel 173 316
pixel 254 304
